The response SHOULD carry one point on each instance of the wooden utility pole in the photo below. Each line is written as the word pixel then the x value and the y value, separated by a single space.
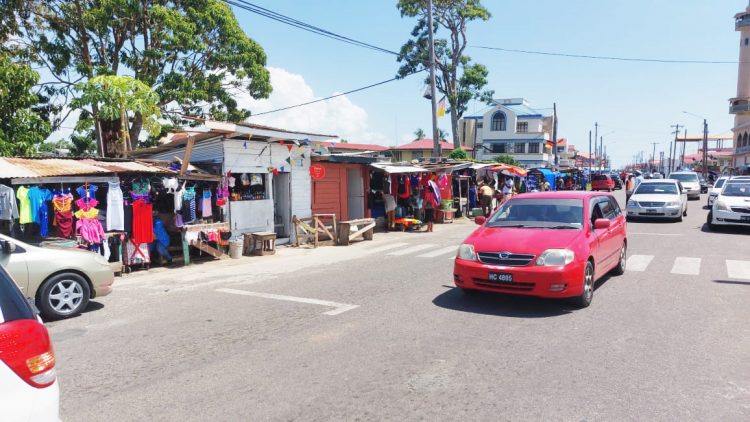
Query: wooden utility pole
pixel 435 137
pixel 676 134
pixel 554 133
pixel 590 157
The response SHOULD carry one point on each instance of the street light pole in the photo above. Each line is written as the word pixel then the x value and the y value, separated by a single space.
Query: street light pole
pixel 705 149
pixel 590 157
pixel 435 137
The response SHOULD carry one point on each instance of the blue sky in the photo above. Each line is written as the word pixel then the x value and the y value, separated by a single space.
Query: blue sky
pixel 634 103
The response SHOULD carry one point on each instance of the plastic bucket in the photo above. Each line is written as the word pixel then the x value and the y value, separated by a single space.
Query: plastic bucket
pixel 235 249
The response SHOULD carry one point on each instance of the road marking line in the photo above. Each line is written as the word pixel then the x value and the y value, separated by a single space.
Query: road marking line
pixel 413 249
pixel 339 308
pixel 386 247
pixel 443 251
pixel 638 262
pixel 738 269
pixel 656 234
pixel 686 266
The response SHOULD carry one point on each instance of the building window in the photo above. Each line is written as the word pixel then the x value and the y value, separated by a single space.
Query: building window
pixel 522 127
pixel 396 156
pixel 498 121
pixel 534 148
pixel 519 148
pixel 747 41
pixel 480 125
pixel 416 155
pixel 498 148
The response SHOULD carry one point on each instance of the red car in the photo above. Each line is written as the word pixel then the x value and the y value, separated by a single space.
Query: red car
pixel 547 244
pixel 602 182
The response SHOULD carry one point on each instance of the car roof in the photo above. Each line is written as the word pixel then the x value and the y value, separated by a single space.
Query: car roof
pixel 684 172
pixel 560 195
pixel 651 181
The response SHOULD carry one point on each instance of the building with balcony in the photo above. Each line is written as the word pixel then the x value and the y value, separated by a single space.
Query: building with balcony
pixel 510 127
pixel 740 104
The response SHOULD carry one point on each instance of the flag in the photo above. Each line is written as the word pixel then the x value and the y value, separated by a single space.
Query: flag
pixel 441 108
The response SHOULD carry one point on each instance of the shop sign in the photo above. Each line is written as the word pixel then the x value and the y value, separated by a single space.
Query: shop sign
pixel 317 171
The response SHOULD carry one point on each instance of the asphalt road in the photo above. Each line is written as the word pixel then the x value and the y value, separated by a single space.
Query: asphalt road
pixel 376 331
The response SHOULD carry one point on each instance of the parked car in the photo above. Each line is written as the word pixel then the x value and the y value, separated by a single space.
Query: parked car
pixel 716 189
pixel 28 383
pixel 61 281
pixel 617 180
pixel 547 244
pixel 658 198
pixel 690 182
pixel 602 182
pixel 732 206
pixel 704 183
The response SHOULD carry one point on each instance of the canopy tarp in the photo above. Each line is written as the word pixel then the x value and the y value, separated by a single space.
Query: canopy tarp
pixel 395 169
pixel 510 170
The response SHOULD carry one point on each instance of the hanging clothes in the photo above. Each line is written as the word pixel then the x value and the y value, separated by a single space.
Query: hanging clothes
pixel 62 205
pixel 87 194
pixel 89 227
pixel 206 207
pixel 188 206
pixel 178 198
pixel 143 231
pixel 115 208
pixel 42 214
pixel 8 207
pixel 114 242
pixel 35 195
pixel 24 207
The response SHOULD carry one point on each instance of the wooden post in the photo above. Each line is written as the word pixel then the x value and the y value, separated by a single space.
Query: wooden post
pixel 185 250
pixel 188 154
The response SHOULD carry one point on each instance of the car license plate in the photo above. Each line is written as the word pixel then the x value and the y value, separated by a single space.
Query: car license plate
pixel 501 277
pixel 651 211
pixel 745 218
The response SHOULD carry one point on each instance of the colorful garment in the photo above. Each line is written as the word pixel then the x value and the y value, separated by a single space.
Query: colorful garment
pixel 34 195
pixel 82 204
pixel 188 206
pixel 88 213
pixel 115 208
pixel 87 194
pixel 91 230
pixel 62 205
pixel 42 213
pixel 206 207
pixel 143 231
pixel 8 207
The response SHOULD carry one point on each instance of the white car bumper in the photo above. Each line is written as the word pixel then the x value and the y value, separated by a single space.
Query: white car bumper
pixel 730 218
pixel 656 212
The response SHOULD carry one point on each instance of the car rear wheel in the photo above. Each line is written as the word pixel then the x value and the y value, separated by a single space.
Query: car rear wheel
pixel 584 300
pixel 63 296
pixel 620 268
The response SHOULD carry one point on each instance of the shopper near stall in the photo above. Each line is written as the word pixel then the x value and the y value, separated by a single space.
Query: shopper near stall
pixel 430 203
pixel 160 244
pixel 508 189
pixel 485 198
pixel 546 186
pixel 390 210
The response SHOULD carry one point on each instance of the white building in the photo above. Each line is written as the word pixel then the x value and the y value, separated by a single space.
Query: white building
pixel 512 128
pixel 740 105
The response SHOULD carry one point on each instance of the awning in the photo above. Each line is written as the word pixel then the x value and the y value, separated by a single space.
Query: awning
pixel 395 169
pixel 510 170
pixel 478 166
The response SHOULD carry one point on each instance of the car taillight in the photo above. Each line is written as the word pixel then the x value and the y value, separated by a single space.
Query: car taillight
pixel 26 348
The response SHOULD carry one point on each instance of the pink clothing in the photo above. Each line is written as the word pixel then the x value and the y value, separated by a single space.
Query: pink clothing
pixel 86 205
pixel 91 230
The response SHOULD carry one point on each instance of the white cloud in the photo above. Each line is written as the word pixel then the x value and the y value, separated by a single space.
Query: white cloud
pixel 337 116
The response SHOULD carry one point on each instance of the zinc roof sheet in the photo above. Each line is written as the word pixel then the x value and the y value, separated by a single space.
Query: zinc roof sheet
pixel 51 167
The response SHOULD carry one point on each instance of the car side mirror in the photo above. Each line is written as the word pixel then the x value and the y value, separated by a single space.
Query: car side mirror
pixel 7 247
pixel 602 223
pixel 480 220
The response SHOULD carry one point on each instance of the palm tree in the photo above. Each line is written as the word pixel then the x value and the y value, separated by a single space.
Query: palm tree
pixel 442 134
pixel 419 133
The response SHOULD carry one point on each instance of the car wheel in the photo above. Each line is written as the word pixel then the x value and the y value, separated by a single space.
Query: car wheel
pixel 684 213
pixel 710 223
pixel 584 300
pixel 620 268
pixel 679 219
pixel 63 296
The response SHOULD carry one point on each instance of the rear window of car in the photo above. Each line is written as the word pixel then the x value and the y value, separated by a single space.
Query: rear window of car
pixel 684 177
pixel 599 177
pixel 13 305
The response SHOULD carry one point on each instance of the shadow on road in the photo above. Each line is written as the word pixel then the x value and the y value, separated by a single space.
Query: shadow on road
pixel 736 230
pixel 497 304
pixel 737 282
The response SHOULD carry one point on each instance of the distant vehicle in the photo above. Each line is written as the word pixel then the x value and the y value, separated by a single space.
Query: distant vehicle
pixel 602 182
pixel 654 198
pixel 716 189
pixel 547 244
pixel 60 281
pixel 618 182
pixel 28 383
pixel 732 206
pixel 657 176
pixel 690 182
pixel 704 183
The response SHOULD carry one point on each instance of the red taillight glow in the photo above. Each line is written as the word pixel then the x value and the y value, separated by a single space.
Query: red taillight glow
pixel 26 348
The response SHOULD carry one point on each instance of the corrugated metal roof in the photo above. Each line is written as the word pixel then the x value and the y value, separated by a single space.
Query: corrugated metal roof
pixel 123 166
pixel 9 170
pixel 52 167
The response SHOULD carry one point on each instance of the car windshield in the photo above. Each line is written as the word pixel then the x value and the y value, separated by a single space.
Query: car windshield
pixel 684 177
pixel 720 183
pixel 656 189
pixel 539 213
pixel 737 189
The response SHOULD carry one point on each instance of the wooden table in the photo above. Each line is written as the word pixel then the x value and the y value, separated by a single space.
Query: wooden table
pixel 266 241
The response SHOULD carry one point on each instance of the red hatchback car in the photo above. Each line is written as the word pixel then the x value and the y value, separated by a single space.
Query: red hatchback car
pixel 602 182
pixel 547 244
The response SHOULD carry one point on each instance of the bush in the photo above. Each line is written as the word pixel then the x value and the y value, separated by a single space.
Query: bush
pixel 458 154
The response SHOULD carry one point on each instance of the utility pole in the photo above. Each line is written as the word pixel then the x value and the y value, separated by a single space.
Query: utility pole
pixel 705 149
pixel 554 133
pixel 676 134
pixel 601 149
pixel 606 161
pixel 435 138
pixel 684 142
pixel 669 163
pixel 590 157
pixel 596 136
pixel 653 157
pixel 661 161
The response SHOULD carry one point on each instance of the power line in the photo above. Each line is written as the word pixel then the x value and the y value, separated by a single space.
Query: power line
pixel 584 56
pixel 278 17
pixel 336 95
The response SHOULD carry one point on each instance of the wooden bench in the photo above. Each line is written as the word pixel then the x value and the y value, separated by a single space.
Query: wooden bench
pixel 364 227
pixel 266 241
pixel 311 230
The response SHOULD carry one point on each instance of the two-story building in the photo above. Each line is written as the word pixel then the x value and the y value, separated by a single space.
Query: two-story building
pixel 421 149
pixel 510 127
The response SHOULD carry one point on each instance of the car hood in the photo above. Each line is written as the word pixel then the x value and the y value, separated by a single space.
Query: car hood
pixel 735 201
pixel 520 240
pixel 655 198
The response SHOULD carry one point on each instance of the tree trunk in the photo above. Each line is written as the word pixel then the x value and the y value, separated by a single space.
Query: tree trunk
pixel 111 134
pixel 454 129
pixel 97 131
pixel 135 131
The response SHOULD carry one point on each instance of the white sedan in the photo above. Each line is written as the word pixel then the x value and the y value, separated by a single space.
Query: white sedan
pixel 714 191
pixel 732 206
pixel 655 198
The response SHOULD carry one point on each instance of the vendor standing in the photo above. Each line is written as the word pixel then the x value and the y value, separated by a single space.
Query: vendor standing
pixel 430 203
pixel 485 199
pixel 390 211
pixel 508 189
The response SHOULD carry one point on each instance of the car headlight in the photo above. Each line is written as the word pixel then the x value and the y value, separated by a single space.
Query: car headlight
pixel 673 204
pixel 632 204
pixel 466 252
pixel 555 258
pixel 100 259
pixel 721 205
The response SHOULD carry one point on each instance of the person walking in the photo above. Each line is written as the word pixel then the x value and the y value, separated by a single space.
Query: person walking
pixel 430 203
pixel 485 199
pixel 508 189
pixel 629 188
pixel 390 211
pixel 546 186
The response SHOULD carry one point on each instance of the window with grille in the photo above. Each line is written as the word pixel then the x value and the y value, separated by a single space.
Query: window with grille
pixel 498 121
pixel 534 148
pixel 522 127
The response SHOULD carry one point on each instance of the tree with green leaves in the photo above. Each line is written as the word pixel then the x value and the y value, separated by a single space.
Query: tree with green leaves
pixel 22 126
pixel 507 159
pixel 419 133
pixel 457 77
pixel 192 53
pixel 442 134
pixel 458 154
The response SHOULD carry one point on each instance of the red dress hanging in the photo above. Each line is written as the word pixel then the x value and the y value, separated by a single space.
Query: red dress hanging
pixel 143 223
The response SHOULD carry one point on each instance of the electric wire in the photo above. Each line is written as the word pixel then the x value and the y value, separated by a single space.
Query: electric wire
pixel 253 8
pixel 585 56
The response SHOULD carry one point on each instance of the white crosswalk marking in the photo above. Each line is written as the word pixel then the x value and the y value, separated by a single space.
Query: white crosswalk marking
pixel 443 251
pixel 413 249
pixel 387 247
pixel 738 269
pixel 639 262
pixel 686 266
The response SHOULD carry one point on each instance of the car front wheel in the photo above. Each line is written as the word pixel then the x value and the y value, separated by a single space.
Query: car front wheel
pixel 584 300
pixel 63 296
pixel 620 268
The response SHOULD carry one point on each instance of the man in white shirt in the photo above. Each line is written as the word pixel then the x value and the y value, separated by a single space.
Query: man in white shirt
pixel 390 210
